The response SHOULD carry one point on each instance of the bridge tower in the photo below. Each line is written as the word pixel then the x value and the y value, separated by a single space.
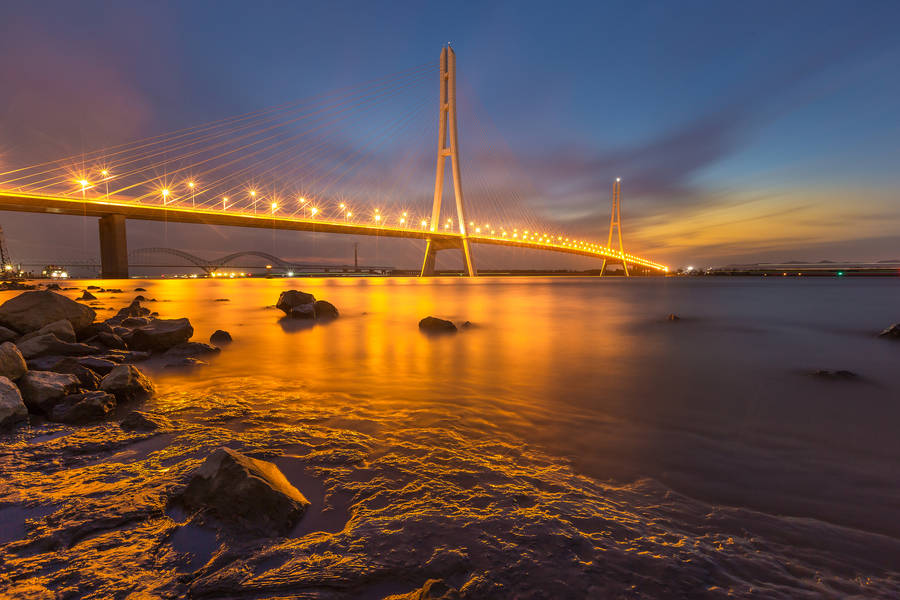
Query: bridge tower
pixel 5 260
pixel 448 148
pixel 615 222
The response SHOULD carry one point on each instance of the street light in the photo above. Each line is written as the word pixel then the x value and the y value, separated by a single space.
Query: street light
pixel 224 202
pixel 191 185
pixel 165 195
pixel 253 195
pixel 274 207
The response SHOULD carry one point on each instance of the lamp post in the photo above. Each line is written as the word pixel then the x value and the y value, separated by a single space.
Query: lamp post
pixel 192 185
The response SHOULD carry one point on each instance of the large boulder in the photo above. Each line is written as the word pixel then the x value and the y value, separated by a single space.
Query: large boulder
pixel 325 310
pixel 100 365
pixel 42 389
pixel 87 378
pixel 32 310
pixel 111 340
pixel 82 408
pixel 12 363
pixel 250 493
pixel 435 325
pixel 62 329
pixel 297 305
pixel 47 343
pixel 12 407
pixel 127 383
pixel 161 334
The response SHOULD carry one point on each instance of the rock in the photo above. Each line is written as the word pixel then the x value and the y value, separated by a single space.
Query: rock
pixel 434 589
pixel 191 349
pixel 839 374
pixel 48 343
pixel 12 363
pixel 220 337
pixel 96 329
pixel 139 289
pixel 467 325
pixel 250 493
pixel 53 286
pixel 111 340
pixel 42 389
pixel 132 322
pixel 297 305
pixel 673 317
pixel 95 287
pixel 325 310
pixel 892 332
pixel 435 325
pixel 7 335
pixel 102 366
pixel 138 420
pixel 62 329
pixel 132 310
pixel 161 334
pixel 87 378
pixel 222 300
pixel 87 296
pixel 12 407
pixel 114 291
pixel 29 311
pixel 127 383
pixel 82 408
pixel 139 298
pixel 184 362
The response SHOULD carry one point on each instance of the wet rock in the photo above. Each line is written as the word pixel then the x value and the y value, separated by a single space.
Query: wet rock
pixel 132 322
pixel 111 340
pixel 87 378
pixel 837 375
pixel 297 305
pixel 7 335
pixel 466 325
pixel 48 343
pixel 435 325
pixel 12 407
pixel 30 311
pixel 62 329
pixel 87 296
pixel 127 383
pixel 161 334
pixel 42 389
pixel 220 337
pixel 132 310
pixel 100 365
pixel 222 300
pixel 53 286
pixel 95 287
pixel 892 332
pixel 325 310
pixel 96 329
pixel 114 291
pixel 81 408
pixel 673 317
pixel 191 349
pixel 139 289
pixel 252 494
pixel 12 363
pixel 138 420
pixel 184 362
pixel 139 298
pixel 434 589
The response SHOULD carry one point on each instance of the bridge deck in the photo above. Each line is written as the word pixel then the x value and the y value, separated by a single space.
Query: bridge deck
pixel 130 209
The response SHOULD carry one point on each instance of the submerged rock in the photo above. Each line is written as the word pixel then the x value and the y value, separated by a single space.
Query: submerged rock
pixel 434 589
pixel 30 311
pixel 325 310
pixel 435 325
pixel 220 337
pixel 191 349
pixel 12 407
pixel 87 296
pixel 297 304
pixel 839 374
pixel 132 310
pixel 161 334
pixel 252 494
pixel 138 420
pixel 127 383
pixel 139 289
pixel 42 389
pixel 83 408
pixel 12 363
pixel 892 332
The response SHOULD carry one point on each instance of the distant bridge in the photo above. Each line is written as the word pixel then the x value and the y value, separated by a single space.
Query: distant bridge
pixel 138 257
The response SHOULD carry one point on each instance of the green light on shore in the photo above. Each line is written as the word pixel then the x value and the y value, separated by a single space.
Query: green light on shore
pixel 840 273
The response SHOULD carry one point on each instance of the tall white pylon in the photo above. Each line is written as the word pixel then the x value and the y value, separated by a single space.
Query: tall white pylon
pixel 448 147
pixel 615 222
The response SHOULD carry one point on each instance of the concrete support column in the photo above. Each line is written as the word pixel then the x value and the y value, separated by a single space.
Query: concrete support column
pixel 113 247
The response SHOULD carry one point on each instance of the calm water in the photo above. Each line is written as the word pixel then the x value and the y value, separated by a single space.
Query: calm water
pixel 719 407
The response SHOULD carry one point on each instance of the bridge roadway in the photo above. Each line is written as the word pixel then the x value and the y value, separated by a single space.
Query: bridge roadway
pixel 112 214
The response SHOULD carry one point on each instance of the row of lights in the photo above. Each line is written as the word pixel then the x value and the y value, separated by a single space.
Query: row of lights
pixel 404 221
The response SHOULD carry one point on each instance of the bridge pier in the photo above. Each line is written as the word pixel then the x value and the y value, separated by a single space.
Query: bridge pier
pixel 113 247
pixel 432 248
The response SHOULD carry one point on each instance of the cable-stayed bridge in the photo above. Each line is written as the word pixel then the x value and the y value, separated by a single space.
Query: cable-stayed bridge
pixel 290 168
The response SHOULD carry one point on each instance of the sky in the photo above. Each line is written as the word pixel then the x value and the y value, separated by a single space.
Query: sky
pixel 742 131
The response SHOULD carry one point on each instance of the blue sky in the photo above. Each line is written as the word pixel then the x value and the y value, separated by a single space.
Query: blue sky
pixel 743 130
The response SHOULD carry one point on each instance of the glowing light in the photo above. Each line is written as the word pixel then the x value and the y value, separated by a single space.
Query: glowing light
pixel 342 206
pixel 84 183
pixel 313 211
pixel 424 223
pixel 104 172
pixel 253 192
pixel 191 184
pixel 377 218
pixel 274 206
pixel 165 193
pixel 349 214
